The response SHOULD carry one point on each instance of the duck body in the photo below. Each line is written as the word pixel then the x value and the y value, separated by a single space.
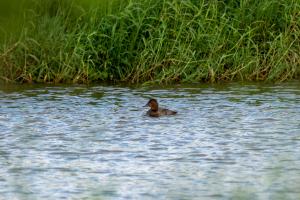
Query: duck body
pixel 160 112
pixel 155 111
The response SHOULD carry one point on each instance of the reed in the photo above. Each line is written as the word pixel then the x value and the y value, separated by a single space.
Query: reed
pixel 161 41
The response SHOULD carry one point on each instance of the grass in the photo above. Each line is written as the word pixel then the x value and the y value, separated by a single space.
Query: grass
pixel 161 41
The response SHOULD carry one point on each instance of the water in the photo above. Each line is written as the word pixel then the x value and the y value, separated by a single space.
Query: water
pixel 77 142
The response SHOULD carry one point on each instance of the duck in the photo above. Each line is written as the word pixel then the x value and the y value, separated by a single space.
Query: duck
pixel 156 111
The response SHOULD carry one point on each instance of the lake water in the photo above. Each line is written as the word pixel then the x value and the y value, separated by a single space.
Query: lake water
pixel 231 141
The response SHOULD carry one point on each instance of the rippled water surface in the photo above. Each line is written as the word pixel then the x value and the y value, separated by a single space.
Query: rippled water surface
pixel 77 142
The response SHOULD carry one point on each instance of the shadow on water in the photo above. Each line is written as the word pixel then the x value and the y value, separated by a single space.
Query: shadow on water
pixel 238 141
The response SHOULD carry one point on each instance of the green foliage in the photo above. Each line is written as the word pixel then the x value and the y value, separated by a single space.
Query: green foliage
pixel 155 40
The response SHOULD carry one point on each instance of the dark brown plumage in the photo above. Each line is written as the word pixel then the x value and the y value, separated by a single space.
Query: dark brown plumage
pixel 155 111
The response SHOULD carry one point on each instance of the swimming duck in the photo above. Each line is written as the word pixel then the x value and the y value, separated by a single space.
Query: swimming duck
pixel 155 111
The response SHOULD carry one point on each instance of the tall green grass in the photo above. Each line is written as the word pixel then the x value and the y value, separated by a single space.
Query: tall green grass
pixel 155 40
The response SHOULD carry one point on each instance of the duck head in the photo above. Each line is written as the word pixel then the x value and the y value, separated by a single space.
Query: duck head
pixel 152 103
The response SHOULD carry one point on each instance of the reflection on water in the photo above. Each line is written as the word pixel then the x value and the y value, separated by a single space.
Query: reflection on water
pixel 232 141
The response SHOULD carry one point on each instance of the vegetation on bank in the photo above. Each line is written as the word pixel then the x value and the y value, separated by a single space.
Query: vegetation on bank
pixel 154 40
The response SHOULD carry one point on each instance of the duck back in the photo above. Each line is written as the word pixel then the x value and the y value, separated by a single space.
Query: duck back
pixel 160 112
pixel 165 111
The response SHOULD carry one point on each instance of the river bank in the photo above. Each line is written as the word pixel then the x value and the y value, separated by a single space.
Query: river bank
pixel 154 41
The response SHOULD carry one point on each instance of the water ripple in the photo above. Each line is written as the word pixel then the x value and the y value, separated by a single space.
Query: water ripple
pixel 96 142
